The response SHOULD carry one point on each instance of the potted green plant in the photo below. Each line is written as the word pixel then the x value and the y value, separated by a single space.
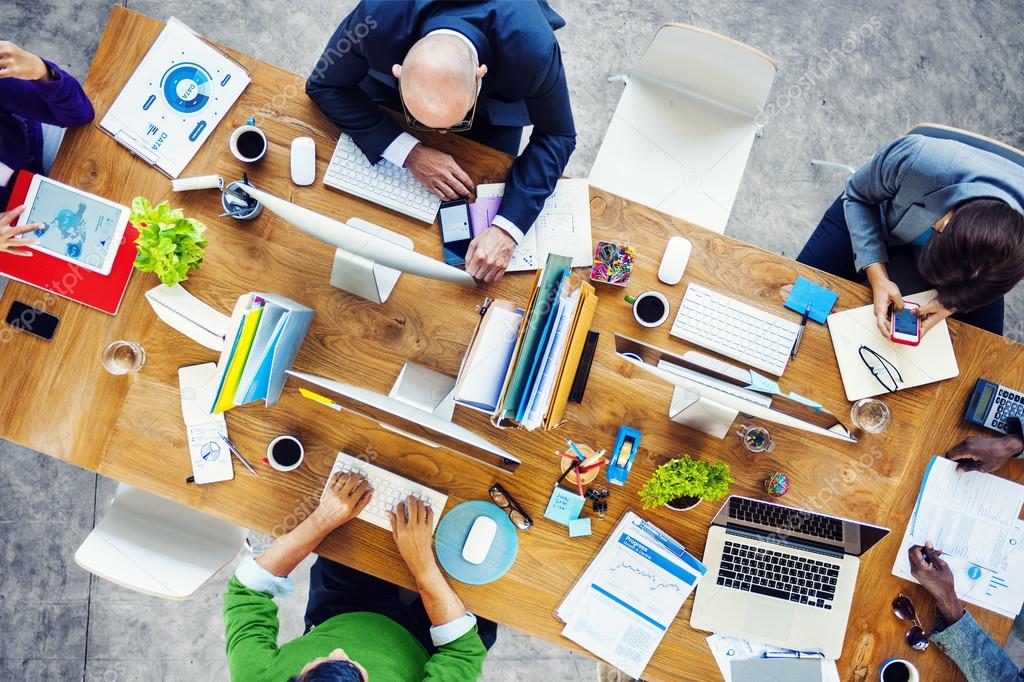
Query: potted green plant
pixel 682 483
pixel 169 244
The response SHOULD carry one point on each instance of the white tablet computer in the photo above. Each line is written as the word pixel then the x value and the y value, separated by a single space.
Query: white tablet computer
pixel 78 227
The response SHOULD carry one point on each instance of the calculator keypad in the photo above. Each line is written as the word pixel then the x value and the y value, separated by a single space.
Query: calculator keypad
pixel 1006 405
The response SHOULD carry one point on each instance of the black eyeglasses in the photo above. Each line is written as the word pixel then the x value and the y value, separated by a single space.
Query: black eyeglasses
pixel 515 513
pixel 460 127
pixel 881 369
pixel 904 610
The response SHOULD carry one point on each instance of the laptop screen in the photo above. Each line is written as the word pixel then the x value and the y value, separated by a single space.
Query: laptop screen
pixel 780 522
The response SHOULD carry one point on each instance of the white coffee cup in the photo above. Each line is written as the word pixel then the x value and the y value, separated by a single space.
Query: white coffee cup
pixel 642 305
pixel 282 445
pixel 890 663
pixel 240 154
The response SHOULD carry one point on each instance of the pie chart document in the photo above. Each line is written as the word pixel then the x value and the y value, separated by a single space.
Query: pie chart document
pixel 174 99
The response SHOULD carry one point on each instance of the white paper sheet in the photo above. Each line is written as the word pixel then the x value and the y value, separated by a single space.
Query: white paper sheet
pixel 984 501
pixel 563 226
pixel 729 649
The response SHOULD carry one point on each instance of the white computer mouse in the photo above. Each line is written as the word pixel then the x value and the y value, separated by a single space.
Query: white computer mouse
pixel 478 542
pixel 673 261
pixel 303 161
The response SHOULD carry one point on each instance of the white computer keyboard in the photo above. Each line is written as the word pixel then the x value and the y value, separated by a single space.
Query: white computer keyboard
pixel 388 490
pixel 734 329
pixel 384 184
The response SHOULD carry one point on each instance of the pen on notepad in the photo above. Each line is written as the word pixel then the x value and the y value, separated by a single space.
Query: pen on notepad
pixel 800 332
pixel 236 453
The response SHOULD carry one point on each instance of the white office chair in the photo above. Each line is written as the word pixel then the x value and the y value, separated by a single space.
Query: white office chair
pixel 681 135
pixel 944 132
pixel 160 548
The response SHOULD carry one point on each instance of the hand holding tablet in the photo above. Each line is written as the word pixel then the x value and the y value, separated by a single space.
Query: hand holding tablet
pixel 73 225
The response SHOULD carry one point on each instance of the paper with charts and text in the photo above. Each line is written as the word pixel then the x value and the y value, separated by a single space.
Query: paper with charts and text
pixel 625 601
pixel 174 99
pixel 974 518
pixel 563 226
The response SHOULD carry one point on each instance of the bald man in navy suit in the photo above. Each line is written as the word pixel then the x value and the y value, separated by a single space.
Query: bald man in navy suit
pixel 481 69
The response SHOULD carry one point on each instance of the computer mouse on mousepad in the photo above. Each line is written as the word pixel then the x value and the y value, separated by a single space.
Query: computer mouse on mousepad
pixel 777 670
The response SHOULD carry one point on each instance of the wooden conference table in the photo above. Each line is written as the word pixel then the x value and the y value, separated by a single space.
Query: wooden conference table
pixel 57 399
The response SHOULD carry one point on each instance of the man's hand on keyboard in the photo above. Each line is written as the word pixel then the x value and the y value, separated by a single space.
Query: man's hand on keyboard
pixel 438 172
pixel 347 494
pixel 489 254
pixel 412 524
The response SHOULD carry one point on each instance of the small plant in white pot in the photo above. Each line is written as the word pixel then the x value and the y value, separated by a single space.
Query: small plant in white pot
pixel 682 483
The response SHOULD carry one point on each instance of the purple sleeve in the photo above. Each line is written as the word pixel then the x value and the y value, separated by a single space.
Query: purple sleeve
pixel 59 102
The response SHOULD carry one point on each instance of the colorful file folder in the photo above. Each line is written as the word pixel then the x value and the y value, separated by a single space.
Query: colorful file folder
pixel 266 332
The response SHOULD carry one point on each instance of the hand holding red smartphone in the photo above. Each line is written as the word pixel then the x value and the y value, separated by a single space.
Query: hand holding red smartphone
pixel 906 325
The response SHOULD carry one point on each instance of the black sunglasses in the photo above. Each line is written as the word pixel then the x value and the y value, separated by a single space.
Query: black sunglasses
pixel 460 127
pixel 515 513
pixel 904 610
pixel 881 369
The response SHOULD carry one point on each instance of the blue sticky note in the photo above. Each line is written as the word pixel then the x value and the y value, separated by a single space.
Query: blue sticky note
pixel 564 506
pixel 763 384
pixel 579 527
pixel 821 299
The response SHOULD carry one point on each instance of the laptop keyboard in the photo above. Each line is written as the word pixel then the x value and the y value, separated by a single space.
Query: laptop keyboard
pixel 778 574
pixel 791 520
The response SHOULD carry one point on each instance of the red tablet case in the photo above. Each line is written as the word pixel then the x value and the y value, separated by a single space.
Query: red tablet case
pixel 102 292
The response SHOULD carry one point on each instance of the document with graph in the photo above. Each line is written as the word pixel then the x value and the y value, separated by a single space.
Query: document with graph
pixel 628 596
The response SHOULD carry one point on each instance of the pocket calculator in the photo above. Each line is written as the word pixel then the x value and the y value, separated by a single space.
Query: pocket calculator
pixel 992 405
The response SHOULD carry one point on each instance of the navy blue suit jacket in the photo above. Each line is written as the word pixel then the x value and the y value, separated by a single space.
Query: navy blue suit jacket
pixel 525 81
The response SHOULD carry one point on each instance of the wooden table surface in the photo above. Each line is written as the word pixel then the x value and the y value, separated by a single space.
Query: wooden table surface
pixel 58 400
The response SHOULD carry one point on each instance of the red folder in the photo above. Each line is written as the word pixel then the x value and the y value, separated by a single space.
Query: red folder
pixel 102 292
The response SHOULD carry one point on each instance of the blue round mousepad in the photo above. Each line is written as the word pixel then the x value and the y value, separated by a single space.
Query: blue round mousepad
pixel 451 536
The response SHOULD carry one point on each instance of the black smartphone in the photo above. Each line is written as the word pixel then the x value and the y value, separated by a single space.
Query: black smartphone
pixel 455 231
pixel 32 320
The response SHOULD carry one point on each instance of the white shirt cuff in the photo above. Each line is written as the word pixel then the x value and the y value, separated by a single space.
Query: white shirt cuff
pixel 399 149
pixel 255 577
pixel 449 632
pixel 507 225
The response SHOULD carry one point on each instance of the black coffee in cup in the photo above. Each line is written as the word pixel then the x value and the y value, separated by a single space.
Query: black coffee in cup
pixel 250 144
pixel 897 671
pixel 650 309
pixel 287 452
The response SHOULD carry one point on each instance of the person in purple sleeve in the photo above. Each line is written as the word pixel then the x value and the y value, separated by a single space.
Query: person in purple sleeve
pixel 38 100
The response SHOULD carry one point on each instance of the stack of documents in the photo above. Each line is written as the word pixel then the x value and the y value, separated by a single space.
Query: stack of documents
pixel 520 365
pixel 627 598
pixel 263 339
pixel 563 225
pixel 974 519
pixel 730 651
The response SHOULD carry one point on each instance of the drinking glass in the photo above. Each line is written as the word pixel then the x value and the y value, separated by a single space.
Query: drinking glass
pixel 123 357
pixel 871 415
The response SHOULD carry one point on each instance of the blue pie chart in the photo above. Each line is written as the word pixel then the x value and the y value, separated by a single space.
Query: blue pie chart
pixel 186 87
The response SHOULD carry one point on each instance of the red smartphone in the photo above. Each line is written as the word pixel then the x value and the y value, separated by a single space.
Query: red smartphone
pixel 906 325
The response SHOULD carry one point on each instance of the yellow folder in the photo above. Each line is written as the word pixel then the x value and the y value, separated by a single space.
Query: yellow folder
pixel 236 363
pixel 571 358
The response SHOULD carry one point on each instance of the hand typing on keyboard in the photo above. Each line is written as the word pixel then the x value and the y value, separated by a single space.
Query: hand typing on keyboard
pixel 346 495
pixel 439 172
pixel 412 524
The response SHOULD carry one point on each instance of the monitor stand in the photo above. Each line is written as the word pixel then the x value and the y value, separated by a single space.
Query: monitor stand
pixel 361 276
pixel 707 416
pixel 425 389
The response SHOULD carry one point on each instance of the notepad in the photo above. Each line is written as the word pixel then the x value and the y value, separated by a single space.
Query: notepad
pixel 930 361
pixel 564 506
pixel 821 299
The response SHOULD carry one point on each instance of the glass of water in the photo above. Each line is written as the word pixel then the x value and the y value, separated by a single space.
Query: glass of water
pixel 123 357
pixel 871 415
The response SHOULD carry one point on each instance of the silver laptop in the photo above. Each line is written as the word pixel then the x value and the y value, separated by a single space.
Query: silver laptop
pixel 781 575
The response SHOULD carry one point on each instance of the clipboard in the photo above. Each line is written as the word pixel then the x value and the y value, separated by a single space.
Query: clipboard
pixel 169 106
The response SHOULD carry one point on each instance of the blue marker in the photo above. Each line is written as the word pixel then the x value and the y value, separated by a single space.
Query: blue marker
pixel 575 450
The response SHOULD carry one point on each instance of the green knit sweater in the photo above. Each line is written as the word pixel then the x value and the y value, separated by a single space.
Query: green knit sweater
pixel 388 651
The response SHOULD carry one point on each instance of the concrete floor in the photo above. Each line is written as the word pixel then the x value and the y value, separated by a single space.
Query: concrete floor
pixel 959 63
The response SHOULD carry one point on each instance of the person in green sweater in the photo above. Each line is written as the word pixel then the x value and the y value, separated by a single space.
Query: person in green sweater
pixel 358 627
